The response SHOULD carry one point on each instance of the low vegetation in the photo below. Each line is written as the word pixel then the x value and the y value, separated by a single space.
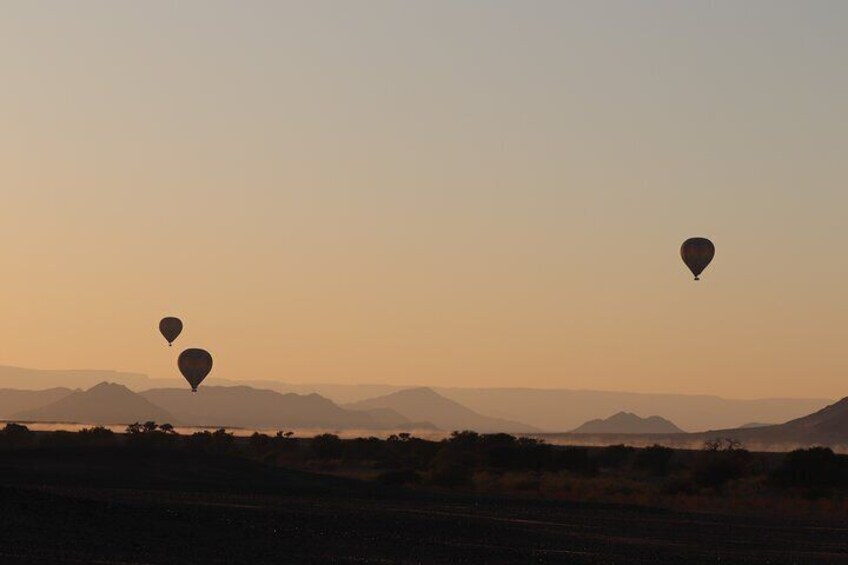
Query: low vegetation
pixel 721 476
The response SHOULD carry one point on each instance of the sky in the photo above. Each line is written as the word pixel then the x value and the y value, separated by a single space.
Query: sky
pixel 468 193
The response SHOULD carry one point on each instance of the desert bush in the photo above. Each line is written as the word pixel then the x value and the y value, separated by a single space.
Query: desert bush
pixel 98 435
pixel 285 441
pixel 259 443
pixel 150 435
pixel 222 441
pixel 16 435
pixel 452 466
pixel 816 467
pixel 60 439
pixel 716 469
pixel 722 444
pixel 199 441
pixel 573 459
pixel 219 442
pixel 465 440
pixel 615 456
pixel 327 446
pixel 655 460
pixel 366 449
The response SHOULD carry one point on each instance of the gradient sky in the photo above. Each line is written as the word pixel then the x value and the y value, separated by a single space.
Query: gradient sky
pixel 448 193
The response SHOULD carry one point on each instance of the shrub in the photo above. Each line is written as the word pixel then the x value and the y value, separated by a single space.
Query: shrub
pixel 259 443
pixel 16 435
pixel 715 468
pixel 615 456
pixel 150 435
pixel 574 459
pixel 655 460
pixel 327 446
pixel 452 466
pixel 814 467
pixel 97 435
pixel 219 442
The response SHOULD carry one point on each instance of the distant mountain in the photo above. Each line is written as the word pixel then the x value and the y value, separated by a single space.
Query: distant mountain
pixel 391 419
pixel 13 401
pixel 628 423
pixel 828 426
pixel 553 410
pixel 340 394
pixel 37 379
pixel 755 425
pixel 105 403
pixel 243 406
pixel 561 409
pixel 424 404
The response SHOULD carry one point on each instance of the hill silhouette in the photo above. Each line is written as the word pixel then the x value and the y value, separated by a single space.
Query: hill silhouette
pixel 105 403
pixel 388 418
pixel 557 410
pixel 628 423
pixel 828 426
pixel 825 427
pixel 424 404
pixel 244 406
pixel 13 401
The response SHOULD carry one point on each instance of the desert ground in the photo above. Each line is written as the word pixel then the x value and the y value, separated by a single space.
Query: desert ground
pixel 115 505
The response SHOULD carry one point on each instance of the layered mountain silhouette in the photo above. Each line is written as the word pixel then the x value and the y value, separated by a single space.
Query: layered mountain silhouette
pixel 557 410
pixel 424 404
pixel 13 401
pixel 413 409
pixel 105 403
pixel 628 423
pixel 243 406
pixel 553 410
pixel 109 403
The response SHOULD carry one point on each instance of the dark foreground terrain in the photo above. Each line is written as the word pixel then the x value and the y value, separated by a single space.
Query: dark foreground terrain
pixel 120 505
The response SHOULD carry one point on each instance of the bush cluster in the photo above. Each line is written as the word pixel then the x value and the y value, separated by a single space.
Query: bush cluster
pixel 467 459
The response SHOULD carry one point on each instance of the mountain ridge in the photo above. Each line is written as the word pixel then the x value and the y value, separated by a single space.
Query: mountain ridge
pixel 552 410
pixel 423 403
pixel 104 403
pixel 828 426
pixel 243 406
pixel 628 423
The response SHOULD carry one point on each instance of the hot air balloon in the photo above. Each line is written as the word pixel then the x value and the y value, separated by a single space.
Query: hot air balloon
pixel 195 364
pixel 697 252
pixel 170 328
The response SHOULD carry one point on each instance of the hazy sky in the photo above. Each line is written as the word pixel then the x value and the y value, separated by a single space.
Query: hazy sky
pixel 449 193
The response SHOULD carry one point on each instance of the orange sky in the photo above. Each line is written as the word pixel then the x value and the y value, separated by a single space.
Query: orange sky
pixel 479 194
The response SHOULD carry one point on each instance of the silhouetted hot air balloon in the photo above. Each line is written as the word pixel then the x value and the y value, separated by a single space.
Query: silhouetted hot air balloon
pixel 195 364
pixel 170 328
pixel 697 252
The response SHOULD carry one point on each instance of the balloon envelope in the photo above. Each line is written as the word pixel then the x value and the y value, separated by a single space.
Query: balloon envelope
pixel 697 252
pixel 170 328
pixel 195 364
